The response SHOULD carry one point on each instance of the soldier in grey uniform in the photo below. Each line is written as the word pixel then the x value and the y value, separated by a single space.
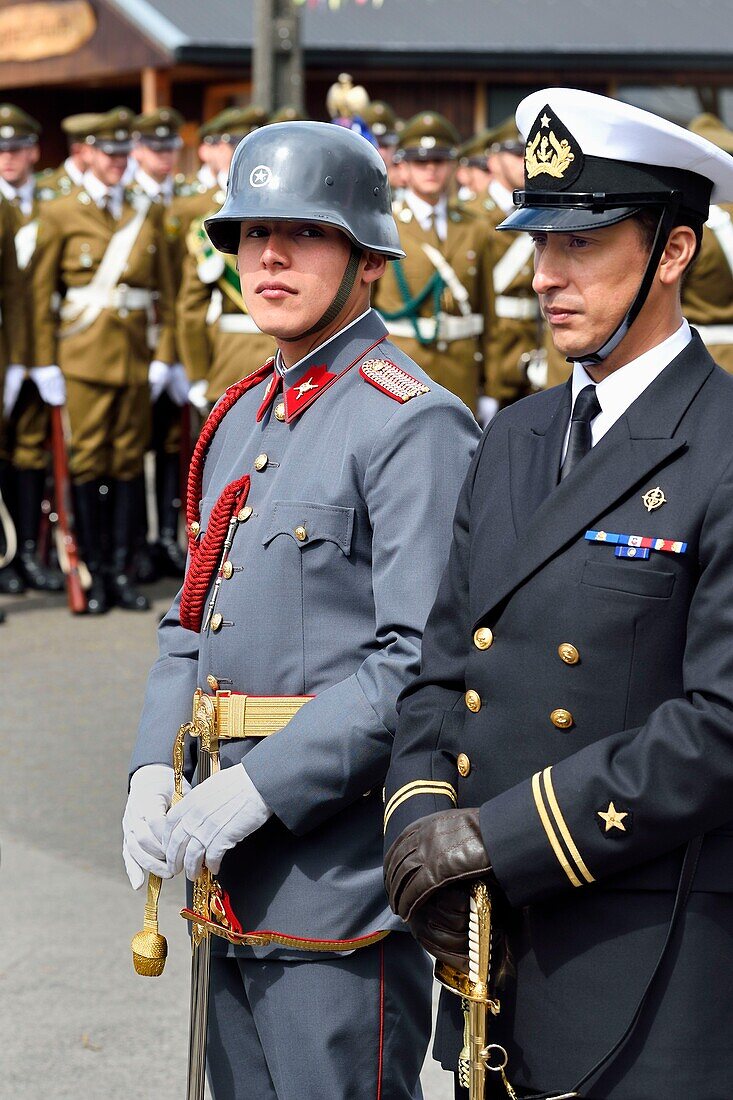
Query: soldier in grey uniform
pixel 337 464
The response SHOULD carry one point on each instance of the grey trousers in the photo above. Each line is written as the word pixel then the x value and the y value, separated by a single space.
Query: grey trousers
pixel 349 1028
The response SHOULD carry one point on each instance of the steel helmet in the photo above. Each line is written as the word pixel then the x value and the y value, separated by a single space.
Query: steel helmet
pixel 308 171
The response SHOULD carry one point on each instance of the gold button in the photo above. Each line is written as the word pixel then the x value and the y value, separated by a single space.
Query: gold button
pixel 473 701
pixel 562 719
pixel 568 653
pixel 301 534
pixel 212 682
pixel 195 528
pixel 216 621
pixel 463 764
pixel 261 462
pixel 280 411
pixel 227 570
pixel 483 638
pixel 245 513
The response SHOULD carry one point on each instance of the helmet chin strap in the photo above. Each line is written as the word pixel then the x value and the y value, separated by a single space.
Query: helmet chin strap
pixel 664 228
pixel 340 299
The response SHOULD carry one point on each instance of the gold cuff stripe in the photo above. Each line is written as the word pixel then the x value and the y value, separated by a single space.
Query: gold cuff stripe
pixel 418 786
pixel 562 826
pixel 550 831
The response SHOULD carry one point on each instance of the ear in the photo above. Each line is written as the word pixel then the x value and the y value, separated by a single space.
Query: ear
pixel 35 154
pixel 678 254
pixel 374 267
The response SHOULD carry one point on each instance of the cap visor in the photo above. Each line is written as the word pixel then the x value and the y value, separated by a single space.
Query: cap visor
pixel 563 219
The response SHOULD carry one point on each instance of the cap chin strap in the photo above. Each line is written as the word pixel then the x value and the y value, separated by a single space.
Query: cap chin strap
pixel 340 299
pixel 664 228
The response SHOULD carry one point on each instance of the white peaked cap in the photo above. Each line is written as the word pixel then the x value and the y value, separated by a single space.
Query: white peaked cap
pixel 609 129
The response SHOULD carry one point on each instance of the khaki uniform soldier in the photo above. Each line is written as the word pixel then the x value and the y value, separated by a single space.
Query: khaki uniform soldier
pixel 70 172
pixel 26 397
pixel 157 148
pixel 13 335
pixel 438 301
pixel 106 249
pixel 518 331
pixel 385 126
pixel 473 173
pixel 707 296
pixel 216 337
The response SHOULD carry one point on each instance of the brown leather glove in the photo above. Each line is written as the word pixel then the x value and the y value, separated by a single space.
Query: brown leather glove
pixel 441 926
pixel 438 850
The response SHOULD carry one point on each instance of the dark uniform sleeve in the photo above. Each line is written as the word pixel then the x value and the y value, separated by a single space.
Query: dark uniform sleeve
pixel 641 792
pixel 422 773
pixel 410 486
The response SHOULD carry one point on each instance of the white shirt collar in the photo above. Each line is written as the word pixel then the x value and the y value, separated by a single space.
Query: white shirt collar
pixel 206 177
pixel 75 174
pixel 282 369
pixel 501 196
pixel 24 194
pixel 99 192
pixel 619 390
pixel 424 212
pixel 152 188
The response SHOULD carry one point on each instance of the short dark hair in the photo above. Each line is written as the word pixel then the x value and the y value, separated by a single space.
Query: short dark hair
pixel 647 220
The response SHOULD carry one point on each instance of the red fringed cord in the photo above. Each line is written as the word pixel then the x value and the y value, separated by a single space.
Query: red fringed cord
pixel 204 552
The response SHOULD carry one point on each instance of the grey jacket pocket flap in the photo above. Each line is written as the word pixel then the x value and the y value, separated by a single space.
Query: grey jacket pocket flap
pixel 629 577
pixel 307 522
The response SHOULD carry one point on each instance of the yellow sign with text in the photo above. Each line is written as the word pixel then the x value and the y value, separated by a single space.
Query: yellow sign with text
pixel 32 32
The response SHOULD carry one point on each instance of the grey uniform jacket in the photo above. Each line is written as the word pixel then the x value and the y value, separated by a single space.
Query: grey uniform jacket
pixel 338 616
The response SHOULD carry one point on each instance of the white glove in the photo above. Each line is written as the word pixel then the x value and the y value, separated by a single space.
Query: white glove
pixel 178 384
pixel 158 375
pixel 488 407
pixel 51 384
pixel 151 792
pixel 197 394
pixel 215 816
pixel 14 379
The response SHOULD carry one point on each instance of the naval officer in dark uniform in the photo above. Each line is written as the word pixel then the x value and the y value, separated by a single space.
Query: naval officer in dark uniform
pixel 570 736
pixel 337 466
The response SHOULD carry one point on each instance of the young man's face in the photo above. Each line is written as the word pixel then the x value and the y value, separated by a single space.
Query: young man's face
pixel 109 168
pixel 159 164
pixel 587 281
pixel 16 165
pixel 290 273
pixel 429 179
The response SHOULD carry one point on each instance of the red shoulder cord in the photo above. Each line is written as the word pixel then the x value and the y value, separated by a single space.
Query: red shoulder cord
pixel 204 553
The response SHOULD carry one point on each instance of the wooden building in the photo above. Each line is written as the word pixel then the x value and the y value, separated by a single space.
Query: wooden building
pixel 471 59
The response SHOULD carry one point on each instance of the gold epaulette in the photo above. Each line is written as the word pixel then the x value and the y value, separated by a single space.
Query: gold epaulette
pixel 392 380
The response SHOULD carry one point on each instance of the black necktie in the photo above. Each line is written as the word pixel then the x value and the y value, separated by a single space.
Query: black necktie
pixel 585 409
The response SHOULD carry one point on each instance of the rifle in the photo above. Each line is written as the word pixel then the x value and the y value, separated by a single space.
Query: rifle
pixel 74 570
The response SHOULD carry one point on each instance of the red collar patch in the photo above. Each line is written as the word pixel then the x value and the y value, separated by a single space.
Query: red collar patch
pixel 305 391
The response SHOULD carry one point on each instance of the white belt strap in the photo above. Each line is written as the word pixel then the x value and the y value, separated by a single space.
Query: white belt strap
pixel 83 304
pixel 517 309
pixel 237 322
pixel 715 334
pixel 721 225
pixel 514 259
pixel 447 330
pixel 25 243
pixel 449 277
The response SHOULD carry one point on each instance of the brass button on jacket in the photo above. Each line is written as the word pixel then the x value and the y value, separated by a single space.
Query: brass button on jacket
pixel 216 621
pixel 473 701
pixel 260 462
pixel 195 528
pixel 227 570
pixel 463 764
pixel 568 653
pixel 561 718
pixel 280 411
pixel 245 513
pixel 301 534
pixel 483 638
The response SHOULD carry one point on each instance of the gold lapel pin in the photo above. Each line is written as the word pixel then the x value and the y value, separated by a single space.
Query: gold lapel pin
pixel 654 499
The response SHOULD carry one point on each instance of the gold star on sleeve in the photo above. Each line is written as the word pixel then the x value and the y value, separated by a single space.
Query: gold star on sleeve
pixel 614 818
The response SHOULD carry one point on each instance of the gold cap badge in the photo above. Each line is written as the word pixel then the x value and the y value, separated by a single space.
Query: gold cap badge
pixel 552 152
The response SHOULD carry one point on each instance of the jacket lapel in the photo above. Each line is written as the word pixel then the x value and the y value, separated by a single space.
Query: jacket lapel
pixel 534 458
pixel 639 442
